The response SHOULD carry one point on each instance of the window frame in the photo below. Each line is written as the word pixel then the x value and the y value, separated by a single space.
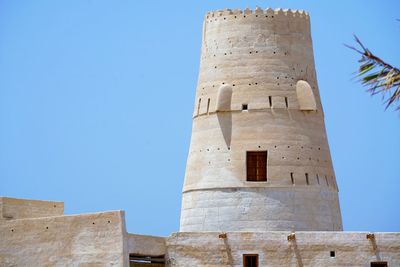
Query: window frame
pixel 247 171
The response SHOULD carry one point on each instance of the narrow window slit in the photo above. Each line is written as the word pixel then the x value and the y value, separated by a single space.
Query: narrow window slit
pixel 307 181
pixel 198 107
pixel 286 102
pixel 208 106
pixel 270 101
pixel 292 178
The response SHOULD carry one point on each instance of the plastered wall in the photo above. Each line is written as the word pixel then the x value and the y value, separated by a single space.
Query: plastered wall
pixel 93 240
pixel 255 67
pixel 309 249
pixel 13 208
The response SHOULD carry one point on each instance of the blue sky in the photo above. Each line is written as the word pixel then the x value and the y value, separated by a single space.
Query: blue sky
pixel 96 100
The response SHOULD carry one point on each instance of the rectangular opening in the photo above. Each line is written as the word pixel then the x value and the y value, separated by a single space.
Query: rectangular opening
pixel 326 180
pixel 198 106
pixel 317 179
pixel 379 264
pixel 136 260
pixel 244 107
pixel 270 101
pixel 256 162
pixel 250 260
pixel 291 177
pixel 208 106
pixel 307 180
pixel 333 254
pixel 286 102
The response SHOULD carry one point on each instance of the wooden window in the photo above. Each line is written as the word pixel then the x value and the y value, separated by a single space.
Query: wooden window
pixel 379 264
pixel 250 260
pixel 256 166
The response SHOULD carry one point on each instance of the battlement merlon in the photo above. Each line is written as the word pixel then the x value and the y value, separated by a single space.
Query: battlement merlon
pixel 258 11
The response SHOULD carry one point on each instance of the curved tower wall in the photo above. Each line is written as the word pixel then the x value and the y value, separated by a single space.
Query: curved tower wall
pixel 255 70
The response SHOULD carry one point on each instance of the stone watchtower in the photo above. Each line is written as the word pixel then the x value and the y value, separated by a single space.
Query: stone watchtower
pixel 259 158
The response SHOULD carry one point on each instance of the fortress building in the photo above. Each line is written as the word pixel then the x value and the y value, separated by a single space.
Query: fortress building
pixel 259 189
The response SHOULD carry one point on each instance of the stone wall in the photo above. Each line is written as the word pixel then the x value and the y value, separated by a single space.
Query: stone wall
pixel 309 249
pixel 95 239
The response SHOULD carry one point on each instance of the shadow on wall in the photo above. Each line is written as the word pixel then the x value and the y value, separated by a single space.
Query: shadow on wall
pixel 224 100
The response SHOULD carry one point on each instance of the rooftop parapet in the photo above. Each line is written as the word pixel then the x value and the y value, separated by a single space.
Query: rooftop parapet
pixel 258 11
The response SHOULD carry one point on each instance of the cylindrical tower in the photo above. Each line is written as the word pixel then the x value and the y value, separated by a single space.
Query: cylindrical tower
pixel 259 158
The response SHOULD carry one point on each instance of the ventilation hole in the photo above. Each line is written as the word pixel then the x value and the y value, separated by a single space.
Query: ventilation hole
pixel 283 157
pixel 223 83
pixel 274 52
pixel 235 17
pixel 302 147
pixel 250 52
pixel 225 54
pixel 256 16
pixel 274 146
pixel 208 149
pixel 249 83
pixel 47 227
pixel 259 146
pixel 333 254
pixel 288 146
pixel 272 16
pixel 286 102
pixel 298 158
pixel 224 18
pixel 270 101
pixel 244 107
pixel 278 83
pixel 277 78
pixel 109 221
pixel 307 181
pixel 309 158
pixel 55 206
pixel 229 148
pixel 292 178
pixel 256 83
pixel 215 67
pixel 217 148
pixel 12 230
pixel 319 148
pixel 93 223
pixel 244 16
pixel 256 52
pixel 233 84
pixel 229 159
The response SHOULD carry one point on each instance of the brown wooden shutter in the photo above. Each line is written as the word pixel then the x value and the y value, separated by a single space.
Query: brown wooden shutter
pixel 256 166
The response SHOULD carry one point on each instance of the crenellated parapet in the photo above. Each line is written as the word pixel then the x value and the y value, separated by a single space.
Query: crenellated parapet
pixel 269 12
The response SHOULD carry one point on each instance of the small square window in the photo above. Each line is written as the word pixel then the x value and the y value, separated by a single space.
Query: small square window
pixel 250 260
pixel 333 253
pixel 245 107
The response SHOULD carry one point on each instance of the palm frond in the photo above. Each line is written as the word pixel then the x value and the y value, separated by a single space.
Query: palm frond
pixel 378 76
